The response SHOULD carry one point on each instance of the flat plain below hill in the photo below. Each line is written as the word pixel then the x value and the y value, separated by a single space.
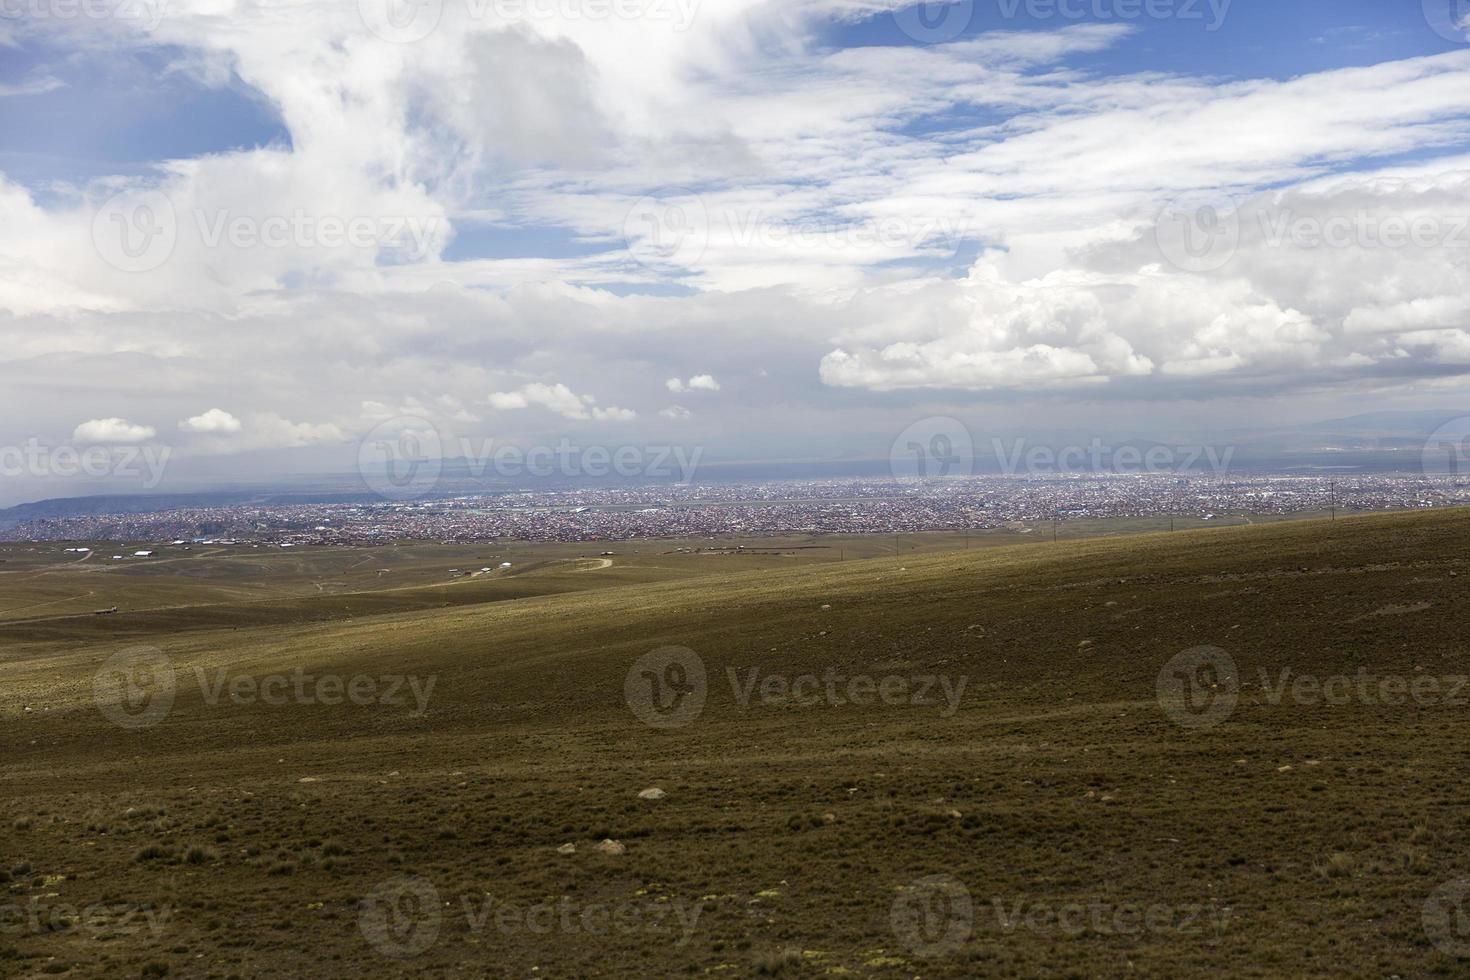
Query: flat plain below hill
pixel 1229 752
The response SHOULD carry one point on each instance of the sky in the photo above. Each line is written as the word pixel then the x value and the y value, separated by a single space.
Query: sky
pixel 260 235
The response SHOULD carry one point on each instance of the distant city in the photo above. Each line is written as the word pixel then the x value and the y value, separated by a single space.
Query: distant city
pixel 856 506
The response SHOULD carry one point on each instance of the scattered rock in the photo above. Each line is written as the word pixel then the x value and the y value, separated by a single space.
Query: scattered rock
pixel 309 779
pixel 955 814
pixel 1284 768
pixel 567 849
pixel 829 818
pixel 652 793
pixel 612 848
pixel 826 606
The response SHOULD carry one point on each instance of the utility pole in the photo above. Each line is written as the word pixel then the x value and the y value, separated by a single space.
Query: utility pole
pixel 1332 492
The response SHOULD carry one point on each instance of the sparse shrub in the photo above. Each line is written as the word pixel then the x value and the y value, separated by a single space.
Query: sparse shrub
pixel 282 868
pixel 22 823
pixel 773 963
pixel 333 848
pixel 198 854
pixel 1338 865
pixel 152 852
pixel 155 968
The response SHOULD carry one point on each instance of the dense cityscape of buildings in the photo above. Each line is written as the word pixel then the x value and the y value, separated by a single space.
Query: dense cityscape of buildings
pixel 776 507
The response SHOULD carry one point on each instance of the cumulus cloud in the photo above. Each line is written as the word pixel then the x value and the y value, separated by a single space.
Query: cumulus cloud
pixel 699 382
pixel 214 421
pixel 112 430
pixel 560 399
pixel 677 412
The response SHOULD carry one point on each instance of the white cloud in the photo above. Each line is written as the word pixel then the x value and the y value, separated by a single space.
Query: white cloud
pixel 112 430
pixel 676 412
pixel 560 399
pixel 700 382
pixel 214 421
pixel 824 237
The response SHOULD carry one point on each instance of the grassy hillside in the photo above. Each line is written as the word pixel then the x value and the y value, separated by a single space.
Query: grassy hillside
pixel 1012 799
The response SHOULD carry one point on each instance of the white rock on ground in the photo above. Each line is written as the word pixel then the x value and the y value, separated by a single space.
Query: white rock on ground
pixel 652 793
pixel 612 847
